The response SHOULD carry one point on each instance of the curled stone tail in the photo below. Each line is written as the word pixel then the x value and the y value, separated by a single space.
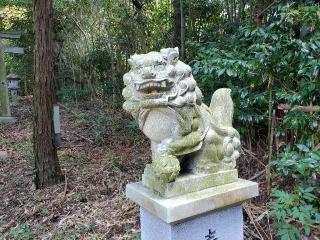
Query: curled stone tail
pixel 222 108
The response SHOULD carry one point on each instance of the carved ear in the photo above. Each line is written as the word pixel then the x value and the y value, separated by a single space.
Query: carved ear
pixel 173 55
pixel 130 61
pixel 133 60
pixel 165 53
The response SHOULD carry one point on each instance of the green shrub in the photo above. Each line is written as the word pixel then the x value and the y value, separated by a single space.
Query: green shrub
pixel 296 212
pixel 263 66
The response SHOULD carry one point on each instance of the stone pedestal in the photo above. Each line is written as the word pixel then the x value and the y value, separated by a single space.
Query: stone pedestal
pixel 4 97
pixel 224 223
pixel 213 213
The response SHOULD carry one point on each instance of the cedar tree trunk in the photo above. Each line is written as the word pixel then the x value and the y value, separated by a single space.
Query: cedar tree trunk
pixel 46 160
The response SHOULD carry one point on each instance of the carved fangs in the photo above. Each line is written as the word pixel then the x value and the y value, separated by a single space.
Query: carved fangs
pixel 152 86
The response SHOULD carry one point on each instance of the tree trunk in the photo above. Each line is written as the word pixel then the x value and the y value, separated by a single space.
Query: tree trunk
pixel 182 31
pixel 46 160
pixel 177 23
pixel 260 13
pixel 271 121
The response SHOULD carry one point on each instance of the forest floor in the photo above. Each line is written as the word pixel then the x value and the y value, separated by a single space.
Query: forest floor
pixel 102 150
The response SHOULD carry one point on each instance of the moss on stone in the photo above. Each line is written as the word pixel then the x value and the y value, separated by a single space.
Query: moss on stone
pixel 188 183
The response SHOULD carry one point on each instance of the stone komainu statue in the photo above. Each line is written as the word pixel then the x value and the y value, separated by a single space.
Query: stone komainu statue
pixel 186 135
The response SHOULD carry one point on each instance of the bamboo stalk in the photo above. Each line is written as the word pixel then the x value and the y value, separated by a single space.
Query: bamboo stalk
pixel 268 170
pixel 270 133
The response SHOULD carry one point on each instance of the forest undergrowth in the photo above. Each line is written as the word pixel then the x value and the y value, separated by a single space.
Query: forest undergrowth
pixel 99 156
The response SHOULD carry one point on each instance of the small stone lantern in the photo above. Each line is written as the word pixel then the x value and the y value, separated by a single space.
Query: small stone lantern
pixel 13 83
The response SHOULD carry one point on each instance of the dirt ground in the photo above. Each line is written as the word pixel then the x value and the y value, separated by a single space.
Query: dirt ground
pixel 102 150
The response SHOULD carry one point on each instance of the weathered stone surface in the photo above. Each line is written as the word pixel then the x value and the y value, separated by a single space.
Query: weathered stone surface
pixel 222 224
pixel 8 119
pixel 4 97
pixel 188 182
pixel 179 208
pixel 3 156
pixel 12 34
pixel 14 50
pixel 186 135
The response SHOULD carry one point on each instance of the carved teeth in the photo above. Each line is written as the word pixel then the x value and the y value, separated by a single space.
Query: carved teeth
pixel 152 85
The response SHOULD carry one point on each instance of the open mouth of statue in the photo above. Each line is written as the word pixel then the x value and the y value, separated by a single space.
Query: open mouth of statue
pixel 153 86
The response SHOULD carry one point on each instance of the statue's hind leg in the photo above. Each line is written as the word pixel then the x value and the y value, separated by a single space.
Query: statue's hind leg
pixel 208 158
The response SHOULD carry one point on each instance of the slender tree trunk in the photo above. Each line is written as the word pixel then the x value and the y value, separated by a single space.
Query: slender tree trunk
pixel 271 122
pixel 182 31
pixel 177 23
pixel 260 14
pixel 46 160
pixel 227 6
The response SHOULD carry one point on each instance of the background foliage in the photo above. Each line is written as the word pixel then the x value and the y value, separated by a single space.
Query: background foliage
pixel 267 52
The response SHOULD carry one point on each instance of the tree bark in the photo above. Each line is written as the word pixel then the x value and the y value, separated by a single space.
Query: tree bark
pixel 260 13
pixel 179 26
pixel 47 166
pixel 177 23
pixel 182 31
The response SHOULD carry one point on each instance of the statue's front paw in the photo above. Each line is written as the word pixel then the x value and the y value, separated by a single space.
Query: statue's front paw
pixel 166 167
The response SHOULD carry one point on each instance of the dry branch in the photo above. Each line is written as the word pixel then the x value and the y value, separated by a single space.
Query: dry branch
pixel 307 109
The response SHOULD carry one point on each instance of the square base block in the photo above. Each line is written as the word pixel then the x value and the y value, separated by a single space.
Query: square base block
pixel 180 208
pixel 189 183
pixel 7 120
pixel 222 224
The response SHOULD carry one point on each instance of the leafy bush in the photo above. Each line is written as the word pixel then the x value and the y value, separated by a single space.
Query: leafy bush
pixel 296 212
pixel 264 66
